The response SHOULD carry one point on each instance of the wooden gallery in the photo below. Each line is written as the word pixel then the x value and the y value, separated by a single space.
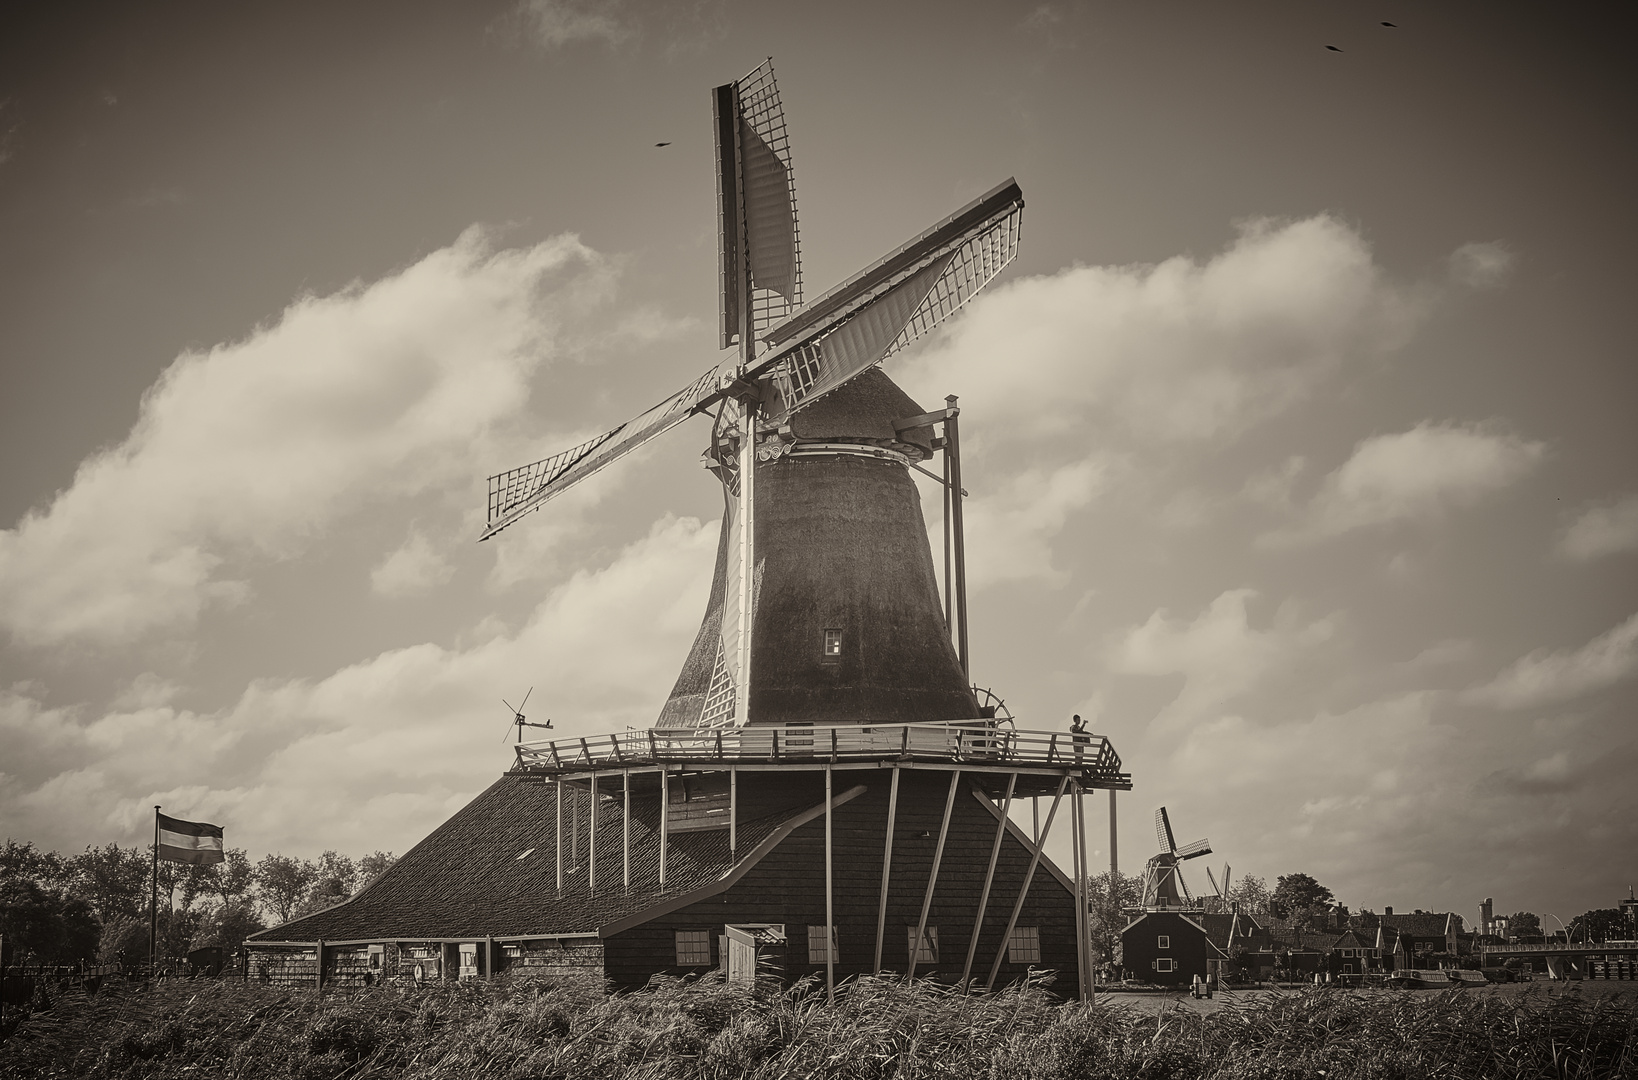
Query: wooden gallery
pixel 823 792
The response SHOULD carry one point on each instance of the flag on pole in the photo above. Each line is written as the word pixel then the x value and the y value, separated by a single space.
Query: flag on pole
pixel 189 841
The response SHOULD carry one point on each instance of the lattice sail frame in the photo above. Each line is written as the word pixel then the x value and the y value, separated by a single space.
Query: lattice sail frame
pixel 762 111
pixel 973 265
pixel 527 488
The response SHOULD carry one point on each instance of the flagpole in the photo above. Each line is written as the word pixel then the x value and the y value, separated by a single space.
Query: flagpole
pixel 153 901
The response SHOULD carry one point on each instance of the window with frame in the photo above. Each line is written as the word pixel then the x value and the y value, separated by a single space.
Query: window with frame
pixel 1165 942
pixel 833 645
pixel 693 948
pixel 1163 964
pixel 1024 946
pixel 816 945
pixel 928 953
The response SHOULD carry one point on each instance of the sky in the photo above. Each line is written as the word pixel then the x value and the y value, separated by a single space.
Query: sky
pixel 1299 438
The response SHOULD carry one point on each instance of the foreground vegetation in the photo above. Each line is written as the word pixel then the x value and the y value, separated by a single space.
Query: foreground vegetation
pixel 877 1028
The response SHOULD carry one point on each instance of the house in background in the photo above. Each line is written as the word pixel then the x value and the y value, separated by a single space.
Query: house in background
pixel 1170 948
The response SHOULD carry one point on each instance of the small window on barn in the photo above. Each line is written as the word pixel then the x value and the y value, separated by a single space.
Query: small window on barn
pixel 833 645
pixel 816 945
pixel 1165 942
pixel 928 953
pixel 693 948
pixel 377 955
pixel 1024 946
pixel 1163 964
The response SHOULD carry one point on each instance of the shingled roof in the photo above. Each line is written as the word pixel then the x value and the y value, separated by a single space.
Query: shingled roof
pixel 491 869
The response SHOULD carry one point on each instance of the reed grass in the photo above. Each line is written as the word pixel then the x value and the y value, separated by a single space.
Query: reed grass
pixel 877 1028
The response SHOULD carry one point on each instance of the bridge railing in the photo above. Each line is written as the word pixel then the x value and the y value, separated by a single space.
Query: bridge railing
pixel 974 742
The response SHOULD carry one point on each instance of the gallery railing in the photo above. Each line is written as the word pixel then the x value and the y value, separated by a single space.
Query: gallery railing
pixel 972 742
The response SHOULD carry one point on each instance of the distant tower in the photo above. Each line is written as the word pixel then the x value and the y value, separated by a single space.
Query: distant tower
pixel 1486 913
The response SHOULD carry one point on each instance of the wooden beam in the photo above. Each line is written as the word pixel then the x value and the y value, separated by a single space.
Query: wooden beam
pixel 989 878
pixel 887 865
pixel 927 419
pixel 665 819
pixel 559 786
pixel 932 877
pixel 952 436
pixel 1078 838
pixel 625 832
pixel 1023 890
pixel 830 904
pixel 733 809
pixel 591 839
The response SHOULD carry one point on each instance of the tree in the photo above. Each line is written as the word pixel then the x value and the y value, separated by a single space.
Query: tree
pixel 1299 898
pixel 229 880
pixel 373 866
pixel 1251 893
pixel 112 879
pixel 1108 910
pixel 226 926
pixel 334 879
pixel 45 925
pixel 1523 924
pixel 281 884
pixel 46 868
pixel 1600 924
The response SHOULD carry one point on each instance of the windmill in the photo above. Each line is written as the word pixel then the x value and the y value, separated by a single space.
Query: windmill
pixel 823 695
pixel 790 357
pixel 1163 884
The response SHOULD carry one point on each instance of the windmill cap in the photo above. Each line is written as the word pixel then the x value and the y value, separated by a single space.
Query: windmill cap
pixel 863 408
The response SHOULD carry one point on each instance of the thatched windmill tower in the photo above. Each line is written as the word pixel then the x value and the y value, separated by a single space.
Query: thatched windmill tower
pixel 823 760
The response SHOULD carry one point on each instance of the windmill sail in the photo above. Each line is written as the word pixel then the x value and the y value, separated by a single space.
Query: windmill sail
pixel 519 491
pixel 759 244
pixel 897 300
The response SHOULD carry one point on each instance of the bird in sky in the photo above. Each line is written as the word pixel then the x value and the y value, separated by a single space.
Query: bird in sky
pixel 1333 48
pixel 1390 24
pixel 658 144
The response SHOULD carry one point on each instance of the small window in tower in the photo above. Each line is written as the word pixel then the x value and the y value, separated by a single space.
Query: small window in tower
pixel 1165 941
pixel 833 645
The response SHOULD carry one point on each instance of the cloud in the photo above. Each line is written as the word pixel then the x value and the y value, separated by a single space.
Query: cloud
pixel 1413 474
pixel 1182 351
pixel 257 447
pixel 1481 265
pixel 413 569
pixel 1010 530
pixel 555 23
pixel 1546 676
pixel 1219 654
pixel 1608 529
pixel 379 752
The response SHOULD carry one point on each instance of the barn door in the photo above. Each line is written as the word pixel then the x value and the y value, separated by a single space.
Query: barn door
pixel 741 956
pixel 755 949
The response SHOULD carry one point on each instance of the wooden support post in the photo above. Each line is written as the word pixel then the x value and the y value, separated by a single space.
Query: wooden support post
pixel 733 809
pixel 932 877
pixel 989 878
pixel 1078 860
pixel 830 904
pixel 559 786
pixel 1086 894
pixel 488 957
pixel 1023 890
pixel 887 865
pixel 1114 847
pixel 318 971
pixel 948 625
pixel 665 819
pixel 952 439
pixel 625 831
pixel 591 838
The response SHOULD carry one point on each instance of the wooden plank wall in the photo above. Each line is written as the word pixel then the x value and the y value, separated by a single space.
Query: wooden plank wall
pixel 787 886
